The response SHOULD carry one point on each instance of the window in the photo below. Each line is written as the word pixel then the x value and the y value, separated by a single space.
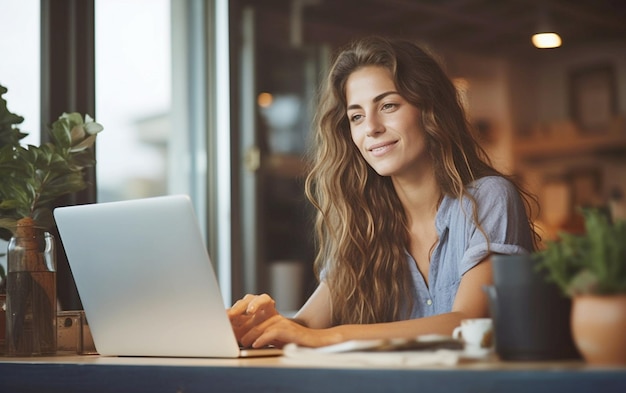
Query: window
pixel 20 65
pixel 133 97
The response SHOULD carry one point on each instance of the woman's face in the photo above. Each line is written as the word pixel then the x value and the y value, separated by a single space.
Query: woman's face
pixel 384 126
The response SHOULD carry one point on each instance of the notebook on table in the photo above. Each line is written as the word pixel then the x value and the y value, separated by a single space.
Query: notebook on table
pixel 146 281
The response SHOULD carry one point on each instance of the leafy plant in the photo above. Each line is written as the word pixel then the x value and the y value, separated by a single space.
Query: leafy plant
pixel 592 263
pixel 33 177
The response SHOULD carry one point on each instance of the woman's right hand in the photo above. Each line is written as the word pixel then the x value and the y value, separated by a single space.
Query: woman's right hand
pixel 256 322
pixel 249 312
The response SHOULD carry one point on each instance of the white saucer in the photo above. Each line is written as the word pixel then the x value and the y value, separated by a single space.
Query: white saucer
pixel 472 352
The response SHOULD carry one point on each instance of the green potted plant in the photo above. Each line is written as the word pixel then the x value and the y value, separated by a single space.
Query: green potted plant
pixel 33 178
pixel 591 269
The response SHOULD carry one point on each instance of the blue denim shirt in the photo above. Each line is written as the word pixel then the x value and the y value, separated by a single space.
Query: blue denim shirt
pixel 462 245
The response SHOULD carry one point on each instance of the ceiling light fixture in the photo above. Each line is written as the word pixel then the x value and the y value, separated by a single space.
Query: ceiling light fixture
pixel 546 40
pixel 546 35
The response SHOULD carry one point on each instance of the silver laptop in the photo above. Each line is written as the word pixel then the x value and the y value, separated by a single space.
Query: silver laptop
pixel 145 279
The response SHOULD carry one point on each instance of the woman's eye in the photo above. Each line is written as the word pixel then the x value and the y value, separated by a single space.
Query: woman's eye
pixel 388 106
pixel 356 117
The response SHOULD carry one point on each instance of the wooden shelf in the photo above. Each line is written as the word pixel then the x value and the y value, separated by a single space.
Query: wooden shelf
pixel 557 147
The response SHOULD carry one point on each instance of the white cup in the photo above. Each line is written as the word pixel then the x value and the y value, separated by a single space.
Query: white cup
pixel 475 332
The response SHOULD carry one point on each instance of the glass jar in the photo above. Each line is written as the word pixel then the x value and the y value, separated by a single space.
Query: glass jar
pixel 31 292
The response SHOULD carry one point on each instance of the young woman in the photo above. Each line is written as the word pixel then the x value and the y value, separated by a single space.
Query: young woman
pixel 409 209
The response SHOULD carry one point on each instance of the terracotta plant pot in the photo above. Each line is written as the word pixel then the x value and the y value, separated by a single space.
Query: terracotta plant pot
pixel 598 328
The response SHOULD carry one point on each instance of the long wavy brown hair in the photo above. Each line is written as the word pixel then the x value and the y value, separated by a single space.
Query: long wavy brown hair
pixel 361 226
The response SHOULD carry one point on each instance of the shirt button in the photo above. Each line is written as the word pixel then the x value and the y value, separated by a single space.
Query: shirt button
pixel 429 302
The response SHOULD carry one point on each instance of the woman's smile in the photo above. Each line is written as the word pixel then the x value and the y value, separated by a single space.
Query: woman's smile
pixel 380 149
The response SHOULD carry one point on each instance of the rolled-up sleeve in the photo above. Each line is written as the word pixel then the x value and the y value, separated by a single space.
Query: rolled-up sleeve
pixel 503 220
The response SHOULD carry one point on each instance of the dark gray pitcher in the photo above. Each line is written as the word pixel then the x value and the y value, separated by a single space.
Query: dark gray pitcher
pixel 531 316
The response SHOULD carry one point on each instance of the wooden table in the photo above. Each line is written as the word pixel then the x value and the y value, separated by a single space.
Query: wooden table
pixel 278 374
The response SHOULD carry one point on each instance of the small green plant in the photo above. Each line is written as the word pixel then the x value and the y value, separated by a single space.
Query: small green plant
pixel 33 177
pixel 592 263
